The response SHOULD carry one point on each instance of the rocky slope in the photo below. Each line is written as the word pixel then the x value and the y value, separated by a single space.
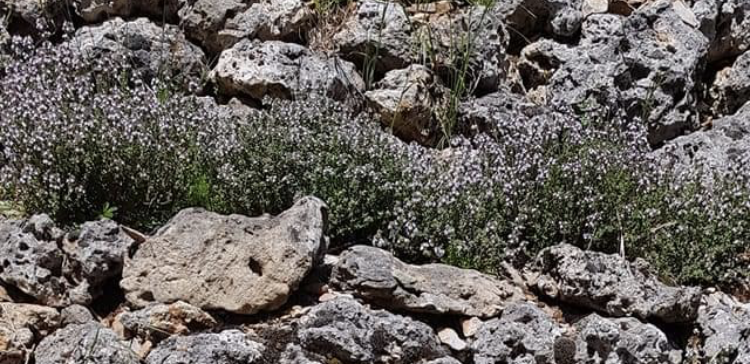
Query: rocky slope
pixel 209 288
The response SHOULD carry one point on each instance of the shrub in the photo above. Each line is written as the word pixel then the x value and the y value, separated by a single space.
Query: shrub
pixel 83 138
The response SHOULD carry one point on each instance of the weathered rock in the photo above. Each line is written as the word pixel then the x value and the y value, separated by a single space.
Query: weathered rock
pixel 378 277
pixel 153 49
pixel 203 19
pixel 476 37
pixel 561 18
pixel 226 347
pixel 75 315
pixel 378 33
pixel 29 17
pixel 446 360
pixel 34 262
pixel 470 326
pixel 450 337
pixel 160 320
pixel 731 88
pixel 405 100
pixel 89 342
pixel 212 261
pixel 269 20
pixel 345 330
pixel 94 11
pixel 732 29
pixel 94 255
pixel 22 324
pixel 724 323
pixel 493 111
pixel 722 149
pixel 610 284
pixel 523 334
pixel 282 70
pixel 622 340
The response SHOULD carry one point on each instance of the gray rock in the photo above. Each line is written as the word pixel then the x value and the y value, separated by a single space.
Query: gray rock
pixel 282 70
pixel 203 19
pixel 523 334
pixel 405 100
pixel 212 261
pixel 725 148
pixel 94 11
pixel 609 284
pixel 269 20
pixel 378 277
pixel 56 270
pixel 89 342
pixel 94 255
pixel 724 323
pixel 622 340
pixel 28 15
pixel 345 330
pixel 21 325
pixel 161 320
pixel 731 88
pixel 556 17
pixel 732 29
pixel 446 360
pixel 152 48
pixel 494 111
pixel 226 347
pixel 76 315
pixel 378 32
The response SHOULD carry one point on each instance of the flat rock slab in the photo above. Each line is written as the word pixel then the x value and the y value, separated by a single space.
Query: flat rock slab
pixel 609 284
pixel 378 277
pixel 233 263
pixel 161 320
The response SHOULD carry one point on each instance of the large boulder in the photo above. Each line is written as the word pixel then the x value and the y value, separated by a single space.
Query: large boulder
pixel 161 320
pixel 345 330
pixel 406 102
pixel 86 343
pixel 610 284
pixel 226 347
pixel 622 340
pixel 523 334
pixel 228 262
pixel 21 325
pixel 723 324
pixel 376 37
pixel 282 70
pixel 155 50
pixel 378 277
pixel 58 269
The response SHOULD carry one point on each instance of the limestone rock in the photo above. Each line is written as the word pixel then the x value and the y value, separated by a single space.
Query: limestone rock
pixel 405 101
pixel 75 315
pixel 731 89
pixel 226 347
pixel 94 11
pixel 450 337
pixel 732 29
pixel 523 334
pixel 161 320
pixel 622 340
pixel 351 333
pixel 22 324
pixel 28 15
pixel 282 70
pixel 213 261
pixel 609 284
pixel 151 47
pixel 269 20
pixel 378 277
pixel 203 19
pixel 724 323
pixel 379 31
pixel 34 263
pixel 89 342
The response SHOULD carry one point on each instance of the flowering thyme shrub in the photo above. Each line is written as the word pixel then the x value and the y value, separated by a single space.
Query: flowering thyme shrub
pixel 79 134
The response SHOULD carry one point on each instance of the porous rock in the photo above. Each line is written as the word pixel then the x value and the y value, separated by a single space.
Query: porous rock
pixel 731 88
pixel 22 324
pixel 378 32
pixel 57 269
pixel 724 323
pixel 622 340
pixel 523 334
pixel 75 315
pixel 346 330
pixel 610 284
pixel 89 342
pixel 226 347
pixel 282 70
pixel 229 262
pixel 378 277
pixel 93 11
pixel 405 100
pixel 161 320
